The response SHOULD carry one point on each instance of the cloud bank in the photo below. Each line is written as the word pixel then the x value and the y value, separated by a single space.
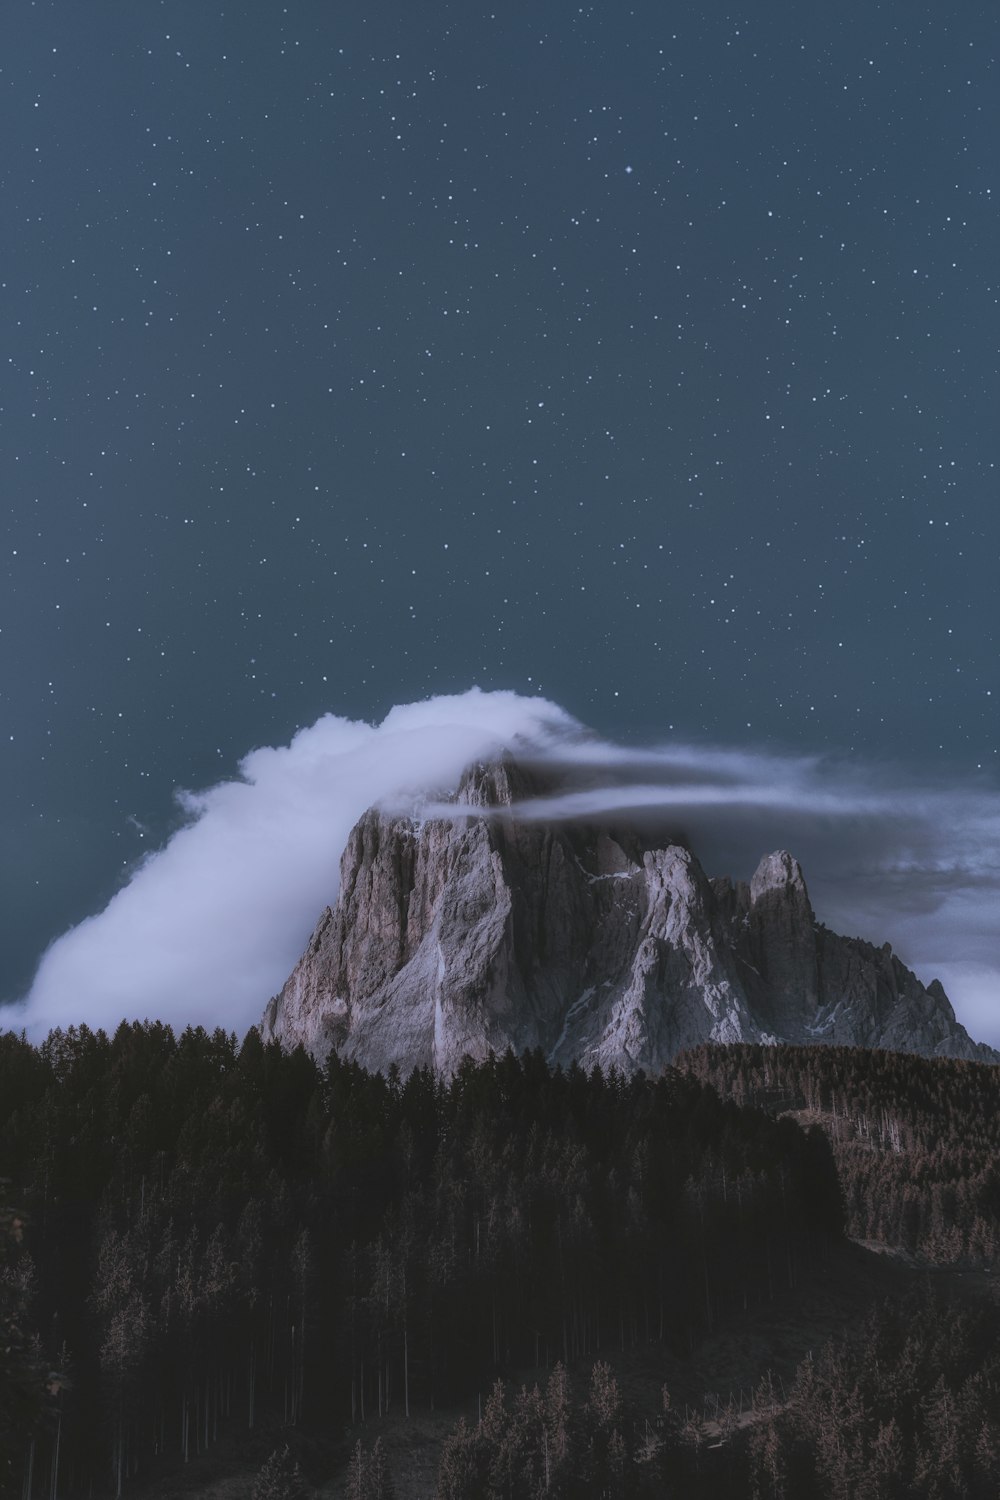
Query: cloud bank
pixel 210 926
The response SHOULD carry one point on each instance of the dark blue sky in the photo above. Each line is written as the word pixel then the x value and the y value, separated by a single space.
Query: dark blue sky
pixel 645 355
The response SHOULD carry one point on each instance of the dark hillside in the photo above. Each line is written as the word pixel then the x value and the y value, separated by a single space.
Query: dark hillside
pixel 221 1237
pixel 916 1140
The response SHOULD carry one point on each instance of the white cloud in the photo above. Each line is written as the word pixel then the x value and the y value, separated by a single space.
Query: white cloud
pixel 208 928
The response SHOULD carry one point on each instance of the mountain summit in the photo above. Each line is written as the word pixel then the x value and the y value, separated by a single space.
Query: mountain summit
pixel 484 929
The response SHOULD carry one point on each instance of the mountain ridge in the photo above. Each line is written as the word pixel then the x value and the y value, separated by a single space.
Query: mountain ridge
pixel 481 928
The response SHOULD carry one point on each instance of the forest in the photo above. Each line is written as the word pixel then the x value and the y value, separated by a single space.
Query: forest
pixel 201 1238
pixel 916 1140
pixel 906 1406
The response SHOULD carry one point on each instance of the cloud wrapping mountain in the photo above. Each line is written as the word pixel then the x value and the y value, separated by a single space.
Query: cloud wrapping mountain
pixel 206 929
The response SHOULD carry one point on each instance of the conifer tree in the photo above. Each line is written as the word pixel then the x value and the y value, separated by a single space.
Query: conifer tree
pixel 463 1466
pixel 280 1478
pixel 380 1481
pixel 766 1461
pixel 369 1476
pixel 357 1473
pixel 885 1478
pixel 558 1437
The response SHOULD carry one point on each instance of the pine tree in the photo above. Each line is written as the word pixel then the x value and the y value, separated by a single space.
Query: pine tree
pixel 357 1474
pixel 986 1460
pixel 885 1478
pixel 767 1464
pixel 463 1467
pixel 369 1477
pixel 604 1402
pixel 605 1466
pixel 280 1478
pixel 616 1467
pixel 557 1452
pixel 380 1481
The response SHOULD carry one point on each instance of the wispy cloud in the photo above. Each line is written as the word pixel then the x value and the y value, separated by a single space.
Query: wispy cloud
pixel 209 927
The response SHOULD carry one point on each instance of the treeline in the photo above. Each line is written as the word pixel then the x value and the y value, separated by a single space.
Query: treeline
pixel 220 1233
pixel 916 1140
pixel 908 1408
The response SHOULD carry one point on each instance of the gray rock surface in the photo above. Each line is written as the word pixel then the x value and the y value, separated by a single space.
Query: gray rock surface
pixel 466 934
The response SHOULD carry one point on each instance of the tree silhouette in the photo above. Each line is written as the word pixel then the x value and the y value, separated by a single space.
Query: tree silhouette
pixel 20 1363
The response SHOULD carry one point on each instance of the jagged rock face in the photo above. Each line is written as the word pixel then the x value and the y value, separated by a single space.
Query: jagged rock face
pixel 468 934
pixel 783 943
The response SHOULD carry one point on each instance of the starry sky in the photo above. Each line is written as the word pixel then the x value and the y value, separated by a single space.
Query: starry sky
pixel 643 356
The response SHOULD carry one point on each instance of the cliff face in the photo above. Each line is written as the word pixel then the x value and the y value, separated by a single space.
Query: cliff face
pixel 469 934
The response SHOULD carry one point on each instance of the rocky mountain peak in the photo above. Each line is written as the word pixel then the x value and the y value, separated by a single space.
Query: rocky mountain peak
pixel 779 872
pixel 470 934
pixel 500 783
pixel 783 944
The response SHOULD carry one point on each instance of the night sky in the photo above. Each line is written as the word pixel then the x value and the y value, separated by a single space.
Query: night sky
pixel 642 356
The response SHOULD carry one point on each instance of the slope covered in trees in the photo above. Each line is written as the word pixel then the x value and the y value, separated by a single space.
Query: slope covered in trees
pixel 916 1140
pixel 219 1234
pixel 905 1408
pixel 216 1238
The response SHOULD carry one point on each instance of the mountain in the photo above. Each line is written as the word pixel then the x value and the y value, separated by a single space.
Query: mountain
pixel 486 929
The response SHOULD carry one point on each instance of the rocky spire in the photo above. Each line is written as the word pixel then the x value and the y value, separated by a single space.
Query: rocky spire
pixel 783 944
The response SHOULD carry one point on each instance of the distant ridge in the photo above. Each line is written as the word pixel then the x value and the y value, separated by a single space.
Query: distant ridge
pixel 472 933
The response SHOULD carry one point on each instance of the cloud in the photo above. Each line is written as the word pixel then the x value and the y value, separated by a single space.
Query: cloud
pixel 210 926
